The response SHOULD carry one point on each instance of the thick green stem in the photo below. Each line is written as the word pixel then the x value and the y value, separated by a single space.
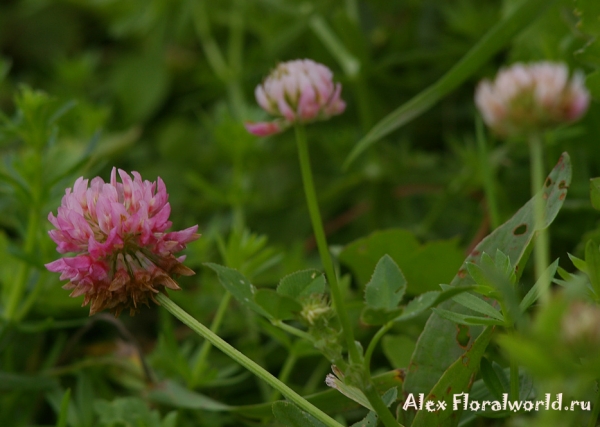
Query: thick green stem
pixel 542 245
pixel 375 400
pixel 487 176
pixel 285 372
pixel 243 360
pixel 315 217
pixel 200 364
pixel 384 414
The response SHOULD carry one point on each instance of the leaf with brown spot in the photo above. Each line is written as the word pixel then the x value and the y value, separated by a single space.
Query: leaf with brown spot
pixel 457 378
pixel 437 348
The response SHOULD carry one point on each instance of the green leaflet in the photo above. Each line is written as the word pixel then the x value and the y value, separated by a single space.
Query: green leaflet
pixel 279 307
pixel 302 284
pixel 239 286
pixel 373 316
pixel 462 319
pixel 477 304
pixel 455 380
pixel 534 292
pixel 369 421
pixel 387 286
pixel 413 258
pixel 491 376
pixel 439 345
pixel 266 302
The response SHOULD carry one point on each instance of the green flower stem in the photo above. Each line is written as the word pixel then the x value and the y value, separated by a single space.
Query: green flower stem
pixel 375 399
pixel 243 360
pixel 284 374
pixel 596 408
pixel 384 414
pixel 487 175
pixel 315 216
pixel 200 364
pixel 374 341
pixel 542 245
pixel 294 331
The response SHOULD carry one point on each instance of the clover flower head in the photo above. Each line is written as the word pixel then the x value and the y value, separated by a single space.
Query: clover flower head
pixel 314 308
pixel 124 256
pixel 526 98
pixel 299 91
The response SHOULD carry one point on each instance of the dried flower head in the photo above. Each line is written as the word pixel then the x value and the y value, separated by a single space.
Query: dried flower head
pixel 299 91
pixel 526 98
pixel 117 230
pixel 337 381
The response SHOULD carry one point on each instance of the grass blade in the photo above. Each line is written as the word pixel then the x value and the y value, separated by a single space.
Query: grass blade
pixel 497 37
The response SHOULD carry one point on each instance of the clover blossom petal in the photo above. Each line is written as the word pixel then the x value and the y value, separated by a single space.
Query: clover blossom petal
pixel 525 98
pixel 117 231
pixel 299 91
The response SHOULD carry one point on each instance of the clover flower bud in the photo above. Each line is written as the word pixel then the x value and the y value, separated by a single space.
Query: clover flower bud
pixel 299 91
pixel 117 231
pixel 534 97
pixel 315 307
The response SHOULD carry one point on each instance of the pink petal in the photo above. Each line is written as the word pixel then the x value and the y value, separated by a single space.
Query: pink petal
pixel 263 128
pixel 56 266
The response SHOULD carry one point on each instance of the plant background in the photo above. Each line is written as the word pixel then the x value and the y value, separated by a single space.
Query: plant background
pixel 163 87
